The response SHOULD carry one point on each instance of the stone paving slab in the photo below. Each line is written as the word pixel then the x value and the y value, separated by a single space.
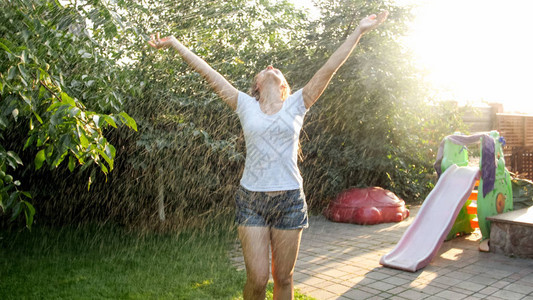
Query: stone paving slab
pixel 341 261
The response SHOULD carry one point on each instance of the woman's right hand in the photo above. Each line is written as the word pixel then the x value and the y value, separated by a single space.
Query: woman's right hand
pixel 161 43
pixel 372 21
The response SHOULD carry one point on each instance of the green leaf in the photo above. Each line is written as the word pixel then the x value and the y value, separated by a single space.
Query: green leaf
pixel 23 73
pixel 91 176
pixel 83 140
pixel 66 142
pixel 2 204
pixel 24 56
pixel 39 159
pixel 3 122
pixel 104 169
pixel 71 163
pixel 11 162
pixel 29 141
pixel 5 47
pixel 43 74
pixel 58 116
pixel 67 99
pixel 29 211
pixel 26 99
pixel 9 199
pixel 59 159
pixel 110 120
pixel 40 142
pixel 85 54
pixel 129 121
pixel 49 151
pixel 17 209
pixel 74 111
pixel 108 159
pixel 11 73
pixel 56 105
pixel 15 157
pixel 110 150
pixel 38 117
pixel 96 119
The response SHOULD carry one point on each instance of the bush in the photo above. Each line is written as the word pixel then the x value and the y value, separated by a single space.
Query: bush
pixel 372 126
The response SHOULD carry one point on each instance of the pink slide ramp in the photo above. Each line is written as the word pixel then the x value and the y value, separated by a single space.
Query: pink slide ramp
pixel 436 216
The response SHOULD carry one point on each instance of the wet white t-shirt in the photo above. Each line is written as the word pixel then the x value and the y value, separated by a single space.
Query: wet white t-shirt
pixel 271 144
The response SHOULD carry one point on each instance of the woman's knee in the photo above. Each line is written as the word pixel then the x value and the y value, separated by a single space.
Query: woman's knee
pixel 282 278
pixel 258 281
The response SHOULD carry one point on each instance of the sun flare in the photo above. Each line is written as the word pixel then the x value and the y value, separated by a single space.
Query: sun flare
pixel 472 51
pixel 476 50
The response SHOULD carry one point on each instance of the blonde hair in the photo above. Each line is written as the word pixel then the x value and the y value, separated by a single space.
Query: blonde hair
pixel 254 89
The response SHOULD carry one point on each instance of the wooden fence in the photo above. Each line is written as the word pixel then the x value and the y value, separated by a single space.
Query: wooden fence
pixel 480 119
pixel 518 133
pixel 516 129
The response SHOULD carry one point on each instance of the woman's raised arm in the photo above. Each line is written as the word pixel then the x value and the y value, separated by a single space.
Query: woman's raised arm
pixel 222 87
pixel 318 83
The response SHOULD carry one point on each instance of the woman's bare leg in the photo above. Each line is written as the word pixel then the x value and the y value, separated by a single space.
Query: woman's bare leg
pixel 285 246
pixel 255 242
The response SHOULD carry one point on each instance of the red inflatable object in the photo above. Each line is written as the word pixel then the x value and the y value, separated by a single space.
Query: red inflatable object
pixel 367 206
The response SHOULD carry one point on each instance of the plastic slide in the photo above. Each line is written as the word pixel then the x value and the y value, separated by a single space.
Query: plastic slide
pixel 436 216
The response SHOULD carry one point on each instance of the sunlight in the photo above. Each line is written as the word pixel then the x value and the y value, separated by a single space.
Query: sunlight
pixel 452 254
pixel 475 50
pixel 308 4
pixel 312 11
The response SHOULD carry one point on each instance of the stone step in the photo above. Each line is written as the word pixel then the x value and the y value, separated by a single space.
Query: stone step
pixel 522 216
pixel 511 233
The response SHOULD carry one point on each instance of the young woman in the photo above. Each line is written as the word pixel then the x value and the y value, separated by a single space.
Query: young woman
pixel 270 203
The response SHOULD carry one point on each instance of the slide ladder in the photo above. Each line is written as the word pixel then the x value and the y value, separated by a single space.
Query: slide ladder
pixel 471 208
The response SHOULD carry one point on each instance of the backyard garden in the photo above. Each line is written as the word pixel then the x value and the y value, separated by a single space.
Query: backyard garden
pixel 118 166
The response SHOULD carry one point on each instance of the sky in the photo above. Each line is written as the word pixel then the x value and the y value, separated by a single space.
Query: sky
pixel 474 51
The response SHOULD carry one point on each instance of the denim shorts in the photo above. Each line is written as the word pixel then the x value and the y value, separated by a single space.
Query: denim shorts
pixel 285 211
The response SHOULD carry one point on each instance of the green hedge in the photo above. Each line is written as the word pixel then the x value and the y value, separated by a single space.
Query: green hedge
pixel 374 125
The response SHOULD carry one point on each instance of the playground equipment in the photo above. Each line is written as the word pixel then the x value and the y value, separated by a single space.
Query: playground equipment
pixel 367 206
pixel 447 211
pixel 480 205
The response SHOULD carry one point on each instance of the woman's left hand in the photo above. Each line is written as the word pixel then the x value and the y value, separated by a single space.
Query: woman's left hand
pixel 372 21
pixel 161 43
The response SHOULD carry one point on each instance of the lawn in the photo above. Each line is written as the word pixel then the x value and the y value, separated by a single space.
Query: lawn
pixel 109 262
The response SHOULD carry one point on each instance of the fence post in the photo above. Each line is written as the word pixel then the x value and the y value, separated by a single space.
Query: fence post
pixel 497 108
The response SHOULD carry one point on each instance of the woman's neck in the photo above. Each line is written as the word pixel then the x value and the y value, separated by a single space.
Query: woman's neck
pixel 270 94
pixel 270 100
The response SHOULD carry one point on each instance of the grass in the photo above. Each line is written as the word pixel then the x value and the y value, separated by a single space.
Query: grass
pixel 110 263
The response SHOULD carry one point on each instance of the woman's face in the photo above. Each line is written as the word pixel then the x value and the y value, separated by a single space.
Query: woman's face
pixel 270 74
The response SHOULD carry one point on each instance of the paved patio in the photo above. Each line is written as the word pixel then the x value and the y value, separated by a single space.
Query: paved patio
pixel 341 261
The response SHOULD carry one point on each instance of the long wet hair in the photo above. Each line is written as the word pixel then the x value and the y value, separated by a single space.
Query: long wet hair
pixel 254 89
